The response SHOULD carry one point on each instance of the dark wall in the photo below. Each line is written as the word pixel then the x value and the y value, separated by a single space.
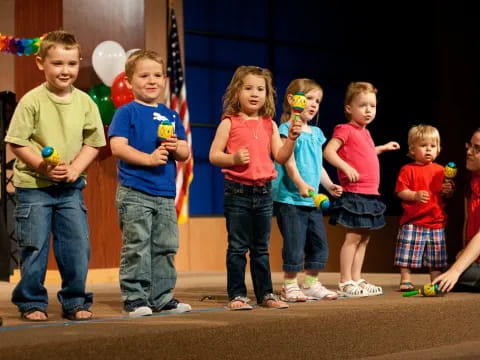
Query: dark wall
pixel 422 56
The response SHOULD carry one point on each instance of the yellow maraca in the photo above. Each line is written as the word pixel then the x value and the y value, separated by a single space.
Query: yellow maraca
pixel 299 103
pixel 165 130
pixel 50 155
pixel 450 170
pixel 320 200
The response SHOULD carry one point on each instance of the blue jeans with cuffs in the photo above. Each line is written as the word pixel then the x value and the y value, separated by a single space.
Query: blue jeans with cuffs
pixel 59 210
pixel 150 242
pixel 305 245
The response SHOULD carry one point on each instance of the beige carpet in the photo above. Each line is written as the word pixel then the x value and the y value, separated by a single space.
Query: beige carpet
pixel 382 327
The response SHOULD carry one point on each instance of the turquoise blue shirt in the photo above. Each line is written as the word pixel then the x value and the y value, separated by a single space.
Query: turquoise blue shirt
pixel 309 160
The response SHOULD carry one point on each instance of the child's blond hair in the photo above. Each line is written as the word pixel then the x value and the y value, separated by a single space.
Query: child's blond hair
pixel 303 85
pixel 138 55
pixel 55 38
pixel 356 88
pixel 231 104
pixel 419 133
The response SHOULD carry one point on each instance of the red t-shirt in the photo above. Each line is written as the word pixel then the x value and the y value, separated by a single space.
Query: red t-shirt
pixel 417 177
pixel 358 150
pixel 256 135
pixel 473 210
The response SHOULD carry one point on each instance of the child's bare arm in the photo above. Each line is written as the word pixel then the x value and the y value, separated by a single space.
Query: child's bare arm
pixel 330 154
pixel 327 183
pixel 282 150
pixel 83 159
pixel 36 163
pixel 422 196
pixel 392 145
pixel 218 156
pixel 177 148
pixel 292 171
pixel 127 153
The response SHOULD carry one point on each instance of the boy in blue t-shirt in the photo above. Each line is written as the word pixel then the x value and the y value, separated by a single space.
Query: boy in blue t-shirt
pixel 146 192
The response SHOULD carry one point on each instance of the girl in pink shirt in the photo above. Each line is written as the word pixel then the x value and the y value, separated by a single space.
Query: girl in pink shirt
pixel 244 144
pixel 353 152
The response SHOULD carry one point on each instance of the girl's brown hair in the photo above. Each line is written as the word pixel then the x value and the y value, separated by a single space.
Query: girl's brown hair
pixel 303 85
pixel 231 104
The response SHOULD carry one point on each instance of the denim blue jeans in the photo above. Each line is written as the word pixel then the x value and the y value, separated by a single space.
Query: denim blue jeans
pixel 58 210
pixel 150 242
pixel 305 243
pixel 248 212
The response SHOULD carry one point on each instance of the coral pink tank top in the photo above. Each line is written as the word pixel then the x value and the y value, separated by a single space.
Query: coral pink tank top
pixel 256 136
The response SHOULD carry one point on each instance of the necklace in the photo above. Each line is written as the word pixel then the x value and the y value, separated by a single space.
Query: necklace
pixel 253 129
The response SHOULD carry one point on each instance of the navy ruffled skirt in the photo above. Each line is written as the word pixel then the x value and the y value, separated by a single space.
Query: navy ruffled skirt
pixel 358 211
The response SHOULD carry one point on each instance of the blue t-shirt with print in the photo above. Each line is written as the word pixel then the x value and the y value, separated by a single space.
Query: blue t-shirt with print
pixel 139 124
pixel 309 161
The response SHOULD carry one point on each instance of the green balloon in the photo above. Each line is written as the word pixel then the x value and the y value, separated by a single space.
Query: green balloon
pixel 100 94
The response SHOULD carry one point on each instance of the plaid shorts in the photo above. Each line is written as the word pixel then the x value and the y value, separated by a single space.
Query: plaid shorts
pixel 420 246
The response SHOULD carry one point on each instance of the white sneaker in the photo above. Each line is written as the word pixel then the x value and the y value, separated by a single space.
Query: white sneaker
pixel 292 293
pixel 175 307
pixel 318 292
pixel 140 311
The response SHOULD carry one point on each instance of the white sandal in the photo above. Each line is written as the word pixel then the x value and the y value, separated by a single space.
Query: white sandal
pixel 371 290
pixel 351 289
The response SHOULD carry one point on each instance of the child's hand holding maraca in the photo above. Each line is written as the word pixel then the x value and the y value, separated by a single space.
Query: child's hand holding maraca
pixel 448 186
pixel 320 200
pixel 299 101
pixel 51 165
pixel 171 143
pixel 295 130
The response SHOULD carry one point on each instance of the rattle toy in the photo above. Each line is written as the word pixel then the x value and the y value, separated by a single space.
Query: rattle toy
pixel 50 155
pixel 298 104
pixel 165 130
pixel 450 170
pixel 320 200
pixel 426 290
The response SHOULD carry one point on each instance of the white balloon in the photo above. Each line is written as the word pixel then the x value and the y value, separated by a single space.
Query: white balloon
pixel 108 60
pixel 130 52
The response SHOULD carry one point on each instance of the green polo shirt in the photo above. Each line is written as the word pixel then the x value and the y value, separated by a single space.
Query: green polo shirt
pixel 42 119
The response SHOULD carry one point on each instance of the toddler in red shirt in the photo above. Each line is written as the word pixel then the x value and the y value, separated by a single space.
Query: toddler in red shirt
pixel 421 186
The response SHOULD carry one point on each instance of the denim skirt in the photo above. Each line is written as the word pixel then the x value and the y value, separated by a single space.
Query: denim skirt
pixel 358 211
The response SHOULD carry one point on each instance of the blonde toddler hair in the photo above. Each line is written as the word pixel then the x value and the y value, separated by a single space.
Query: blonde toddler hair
pixel 138 55
pixel 421 132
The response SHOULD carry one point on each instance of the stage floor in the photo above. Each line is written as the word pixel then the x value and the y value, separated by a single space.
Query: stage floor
pixel 388 326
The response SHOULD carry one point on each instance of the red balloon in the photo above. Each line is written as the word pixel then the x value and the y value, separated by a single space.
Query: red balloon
pixel 121 94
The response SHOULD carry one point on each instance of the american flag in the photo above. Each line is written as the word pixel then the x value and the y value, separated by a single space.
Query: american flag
pixel 176 99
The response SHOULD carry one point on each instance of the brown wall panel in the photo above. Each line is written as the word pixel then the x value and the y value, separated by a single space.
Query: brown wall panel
pixel 33 18
pixel 94 21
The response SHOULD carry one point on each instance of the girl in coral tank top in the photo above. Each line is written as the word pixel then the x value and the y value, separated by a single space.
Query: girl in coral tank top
pixel 244 144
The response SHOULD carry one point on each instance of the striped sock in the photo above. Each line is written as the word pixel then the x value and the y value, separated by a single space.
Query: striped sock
pixel 289 281
pixel 309 281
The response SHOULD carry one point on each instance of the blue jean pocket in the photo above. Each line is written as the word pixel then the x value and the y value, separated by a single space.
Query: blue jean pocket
pixel 23 226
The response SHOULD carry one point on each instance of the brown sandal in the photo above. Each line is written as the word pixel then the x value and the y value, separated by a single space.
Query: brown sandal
pixel 272 301
pixel 406 286
pixel 239 299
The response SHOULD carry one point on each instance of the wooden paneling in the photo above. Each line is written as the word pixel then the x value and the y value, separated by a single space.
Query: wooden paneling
pixel 94 21
pixel 33 18
pixel 7 61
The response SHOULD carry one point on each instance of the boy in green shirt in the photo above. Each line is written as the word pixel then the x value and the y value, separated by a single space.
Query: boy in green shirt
pixel 49 197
